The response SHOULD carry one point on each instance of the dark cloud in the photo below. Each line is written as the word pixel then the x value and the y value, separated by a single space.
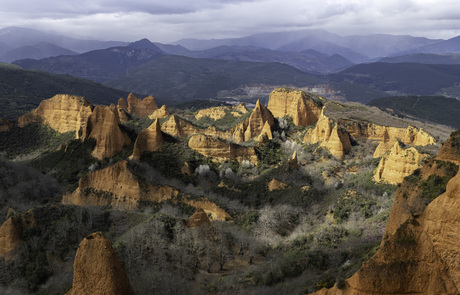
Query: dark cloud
pixel 166 21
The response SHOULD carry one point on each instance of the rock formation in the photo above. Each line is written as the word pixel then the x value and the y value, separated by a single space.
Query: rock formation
pixel 149 139
pixel 275 184
pixel 63 113
pixel 102 125
pixel 266 133
pixel 256 122
pixel 296 104
pixel 138 107
pixel 214 113
pixel 419 251
pixel 162 112
pixel 118 187
pixel 6 125
pixel 179 127
pixel 210 208
pixel 387 136
pixel 398 163
pixel 242 108
pixel 198 219
pixel 293 162
pixel 330 136
pixel 97 269
pixel 11 233
pixel 220 150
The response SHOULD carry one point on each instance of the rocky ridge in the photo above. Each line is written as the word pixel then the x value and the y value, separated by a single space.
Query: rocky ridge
pixel 138 107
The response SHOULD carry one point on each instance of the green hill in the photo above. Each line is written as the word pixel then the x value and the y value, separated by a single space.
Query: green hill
pixel 184 78
pixel 438 109
pixel 22 90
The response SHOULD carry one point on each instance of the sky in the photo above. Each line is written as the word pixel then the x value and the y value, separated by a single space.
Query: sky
pixel 170 20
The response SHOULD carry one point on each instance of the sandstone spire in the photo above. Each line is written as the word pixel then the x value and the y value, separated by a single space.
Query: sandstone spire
pixel 97 269
pixel 149 139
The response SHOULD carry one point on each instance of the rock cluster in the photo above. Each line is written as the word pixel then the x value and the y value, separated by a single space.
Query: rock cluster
pixel 419 251
pixel 398 163
pixel 221 150
pixel 296 104
pixel 97 269
pixel 138 107
pixel 329 135
pixel 11 233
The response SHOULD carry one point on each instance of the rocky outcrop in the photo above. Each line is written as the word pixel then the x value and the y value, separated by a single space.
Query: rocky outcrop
pixel 176 126
pixel 199 218
pixel 118 187
pixel 214 113
pixel 97 269
pixel 266 133
pixel 398 163
pixel 162 112
pixel 6 125
pixel 254 125
pixel 242 108
pixel 211 209
pixel 275 184
pixel 149 139
pixel 329 135
pixel 293 161
pixel 387 136
pixel 294 103
pixel 419 251
pixel 221 150
pixel 11 233
pixel 138 107
pixel 102 125
pixel 63 113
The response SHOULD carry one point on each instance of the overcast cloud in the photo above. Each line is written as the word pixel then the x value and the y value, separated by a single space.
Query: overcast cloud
pixel 167 21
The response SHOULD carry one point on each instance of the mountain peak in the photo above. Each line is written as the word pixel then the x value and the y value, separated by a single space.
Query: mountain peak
pixel 145 44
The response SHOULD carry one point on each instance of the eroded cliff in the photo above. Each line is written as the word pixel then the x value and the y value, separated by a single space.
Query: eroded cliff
pixel 149 139
pixel 294 103
pixel 138 107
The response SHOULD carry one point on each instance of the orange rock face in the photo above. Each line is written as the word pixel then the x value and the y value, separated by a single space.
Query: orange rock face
pixel 102 125
pixel 296 104
pixel 138 107
pixel 6 125
pixel 198 219
pixel 220 150
pixel 275 184
pixel 97 269
pixel 398 163
pixel 256 122
pixel 160 113
pixel 387 136
pixel 11 233
pixel 62 112
pixel 118 187
pixel 149 139
pixel 330 136
pixel 210 208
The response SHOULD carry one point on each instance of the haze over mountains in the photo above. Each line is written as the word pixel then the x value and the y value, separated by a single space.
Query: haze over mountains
pixel 354 68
